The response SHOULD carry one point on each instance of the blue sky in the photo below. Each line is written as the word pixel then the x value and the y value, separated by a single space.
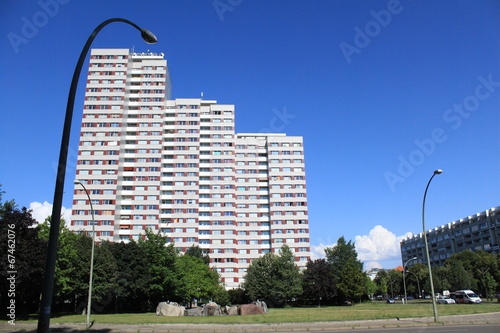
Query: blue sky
pixel 383 92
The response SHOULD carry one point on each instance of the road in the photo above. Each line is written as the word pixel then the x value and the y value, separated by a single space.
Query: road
pixel 476 328
pixel 482 323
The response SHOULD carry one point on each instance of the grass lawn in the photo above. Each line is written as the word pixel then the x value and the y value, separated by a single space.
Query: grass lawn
pixel 364 311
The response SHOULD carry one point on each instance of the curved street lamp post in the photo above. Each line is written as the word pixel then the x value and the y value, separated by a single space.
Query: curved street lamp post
pixel 434 306
pixel 418 284
pixel 50 262
pixel 404 281
pixel 89 301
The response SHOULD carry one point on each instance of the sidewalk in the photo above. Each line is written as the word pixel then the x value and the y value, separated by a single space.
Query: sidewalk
pixel 486 318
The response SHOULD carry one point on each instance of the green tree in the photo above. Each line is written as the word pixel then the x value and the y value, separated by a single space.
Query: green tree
pixel 83 246
pixel 318 282
pixel 418 274
pixel 197 252
pixel 67 275
pixel 458 276
pixel 488 285
pixel 104 279
pixel 468 258
pixel 274 278
pixel 239 296
pixel 352 285
pixel 476 270
pixel 133 278
pixel 381 282
pixel 22 252
pixel 485 270
pixel 72 272
pixel 345 265
pixel 340 254
pixel 370 286
pixel 395 282
pixel 440 278
pixel 221 296
pixel 195 280
pixel 161 258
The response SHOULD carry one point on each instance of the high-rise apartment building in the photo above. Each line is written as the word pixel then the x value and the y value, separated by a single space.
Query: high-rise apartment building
pixel 178 167
pixel 480 231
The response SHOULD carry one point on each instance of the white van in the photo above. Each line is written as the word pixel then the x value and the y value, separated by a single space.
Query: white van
pixel 466 297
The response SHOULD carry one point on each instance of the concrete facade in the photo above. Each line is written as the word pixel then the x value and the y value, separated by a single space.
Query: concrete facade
pixel 178 167
pixel 480 231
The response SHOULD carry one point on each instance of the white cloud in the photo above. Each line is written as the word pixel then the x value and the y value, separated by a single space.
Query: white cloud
pixel 379 245
pixel 371 264
pixel 379 249
pixel 40 211
pixel 318 251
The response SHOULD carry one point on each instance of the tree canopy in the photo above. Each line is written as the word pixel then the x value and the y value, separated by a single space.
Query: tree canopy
pixel 274 278
pixel 22 252
pixel 318 282
pixel 195 280
pixel 135 276
pixel 347 271
pixel 197 252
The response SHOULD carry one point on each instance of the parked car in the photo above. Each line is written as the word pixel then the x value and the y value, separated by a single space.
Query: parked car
pixel 445 300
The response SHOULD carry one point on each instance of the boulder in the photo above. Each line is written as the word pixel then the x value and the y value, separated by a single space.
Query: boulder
pixel 193 312
pixel 170 309
pixel 262 305
pixel 211 309
pixel 250 309
pixel 233 311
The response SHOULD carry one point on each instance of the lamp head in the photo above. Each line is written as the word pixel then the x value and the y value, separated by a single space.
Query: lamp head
pixel 148 36
pixel 76 182
pixel 438 171
pixel 414 258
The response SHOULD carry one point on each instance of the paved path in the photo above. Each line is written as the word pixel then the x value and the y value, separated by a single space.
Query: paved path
pixel 486 318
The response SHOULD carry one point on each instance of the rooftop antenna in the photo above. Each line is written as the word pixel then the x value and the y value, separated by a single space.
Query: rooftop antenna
pixel 201 95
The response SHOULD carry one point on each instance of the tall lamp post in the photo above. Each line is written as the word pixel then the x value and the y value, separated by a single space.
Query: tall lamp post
pixel 434 306
pixel 89 302
pixel 418 284
pixel 404 281
pixel 50 262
